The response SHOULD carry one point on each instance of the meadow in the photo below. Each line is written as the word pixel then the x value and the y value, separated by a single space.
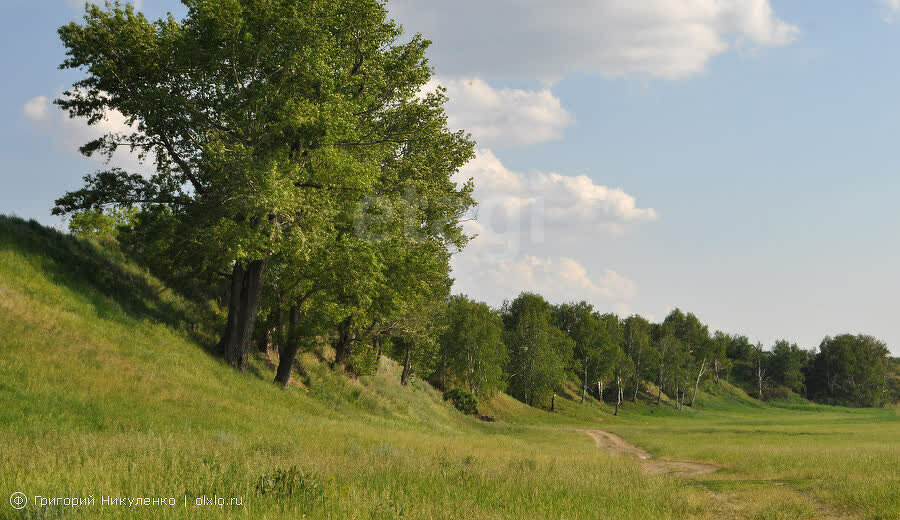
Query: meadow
pixel 107 389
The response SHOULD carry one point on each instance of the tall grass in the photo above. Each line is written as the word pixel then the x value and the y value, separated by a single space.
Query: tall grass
pixel 841 461
pixel 107 388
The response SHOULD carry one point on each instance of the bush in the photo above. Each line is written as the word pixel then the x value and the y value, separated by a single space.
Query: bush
pixel 463 400
pixel 288 483
pixel 779 392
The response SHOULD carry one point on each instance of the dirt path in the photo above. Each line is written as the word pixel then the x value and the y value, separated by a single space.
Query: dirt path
pixel 618 445
pixel 728 503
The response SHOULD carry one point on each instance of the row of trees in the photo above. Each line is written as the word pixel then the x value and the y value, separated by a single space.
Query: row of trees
pixel 302 174
pixel 534 350
pixel 846 369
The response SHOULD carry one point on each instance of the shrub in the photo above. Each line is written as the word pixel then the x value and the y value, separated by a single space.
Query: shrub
pixel 779 392
pixel 463 400
pixel 288 483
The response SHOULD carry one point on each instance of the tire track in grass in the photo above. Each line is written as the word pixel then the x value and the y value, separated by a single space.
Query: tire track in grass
pixel 687 469
pixel 680 468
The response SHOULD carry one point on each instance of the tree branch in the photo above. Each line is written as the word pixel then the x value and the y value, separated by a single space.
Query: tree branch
pixel 185 167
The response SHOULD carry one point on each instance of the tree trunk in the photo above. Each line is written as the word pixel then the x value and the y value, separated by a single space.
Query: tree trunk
pixel 759 378
pixel 716 365
pixel 342 346
pixel 677 394
pixel 637 384
pixel 584 384
pixel 553 403
pixel 618 395
pixel 659 380
pixel 287 352
pixel 697 384
pixel 407 367
pixel 243 305
pixel 279 328
pixel 377 341
pixel 601 390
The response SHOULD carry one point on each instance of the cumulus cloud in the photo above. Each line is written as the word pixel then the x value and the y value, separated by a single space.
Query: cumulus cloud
pixel 512 252
pixel 37 108
pixel 504 116
pixel 557 279
pixel 70 134
pixel 536 39
pixel 527 205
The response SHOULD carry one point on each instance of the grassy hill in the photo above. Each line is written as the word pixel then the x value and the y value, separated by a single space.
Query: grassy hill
pixel 107 389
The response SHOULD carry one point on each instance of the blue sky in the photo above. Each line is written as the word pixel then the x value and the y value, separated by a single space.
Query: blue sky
pixel 737 159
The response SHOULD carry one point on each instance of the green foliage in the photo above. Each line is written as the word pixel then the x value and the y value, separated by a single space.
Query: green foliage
pixel 590 360
pixel 471 348
pixel 637 346
pixel 539 353
pixel 778 392
pixel 293 135
pixel 738 348
pixel 850 370
pixel 787 365
pixel 101 224
pixel 363 361
pixel 464 400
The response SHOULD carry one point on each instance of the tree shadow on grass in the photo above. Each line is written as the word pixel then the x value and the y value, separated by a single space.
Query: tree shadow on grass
pixel 107 281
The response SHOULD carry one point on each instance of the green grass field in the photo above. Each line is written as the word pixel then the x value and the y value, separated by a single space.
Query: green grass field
pixel 108 390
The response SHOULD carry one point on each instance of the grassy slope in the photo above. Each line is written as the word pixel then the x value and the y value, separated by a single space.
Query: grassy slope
pixel 106 389
pixel 100 394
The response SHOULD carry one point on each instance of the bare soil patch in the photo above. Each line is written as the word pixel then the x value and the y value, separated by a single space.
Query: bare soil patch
pixel 618 445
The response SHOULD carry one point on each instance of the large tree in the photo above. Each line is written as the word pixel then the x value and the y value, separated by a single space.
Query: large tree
pixel 539 353
pixel 263 119
pixel 472 348
pixel 787 364
pixel 694 335
pixel 584 327
pixel 850 369
pixel 637 345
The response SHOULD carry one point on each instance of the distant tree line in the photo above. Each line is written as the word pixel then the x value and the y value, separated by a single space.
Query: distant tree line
pixel 303 177
pixel 534 350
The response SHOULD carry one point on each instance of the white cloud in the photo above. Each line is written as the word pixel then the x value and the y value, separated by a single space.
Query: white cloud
pixel 559 279
pixel 70 134
pixel 37 109
pixel 537 39
pixel 512 253
pixel 526 205
pixel 504 116
pixel 891 6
